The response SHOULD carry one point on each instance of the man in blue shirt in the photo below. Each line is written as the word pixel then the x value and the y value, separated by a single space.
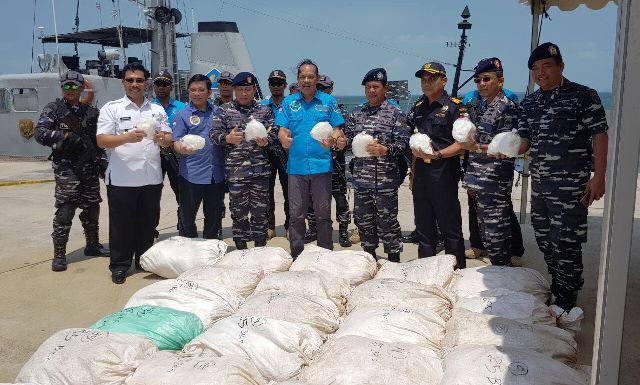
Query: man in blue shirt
pixel 309 165
pixel 201 171
pixel 162 87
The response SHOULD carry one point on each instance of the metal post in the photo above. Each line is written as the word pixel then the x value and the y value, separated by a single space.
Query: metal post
pixel 464 25
pixel 620 197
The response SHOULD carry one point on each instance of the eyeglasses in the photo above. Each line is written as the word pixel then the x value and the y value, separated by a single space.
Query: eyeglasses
pixel 68 87
pixel 277 83
pixel 484 79
pixel 135 80
pixel 198 90
pixel 162 83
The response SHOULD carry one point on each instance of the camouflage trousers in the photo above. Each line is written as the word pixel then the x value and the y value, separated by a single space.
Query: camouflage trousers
pixel 494 221
pixel 376 215
pixel 560 224
pixel 70 194
pixel 248 202
pixel 339 193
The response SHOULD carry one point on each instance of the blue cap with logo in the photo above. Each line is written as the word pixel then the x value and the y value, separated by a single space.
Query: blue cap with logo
pixel 376 74
pixel 432 68
pixel 544 51
pixel 244 79
pixel 492 64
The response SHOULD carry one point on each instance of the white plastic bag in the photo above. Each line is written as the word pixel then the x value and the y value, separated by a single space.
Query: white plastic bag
pixel 476 364
pixel 360 143
pixel 309 284
pixel 209 301
pixel 352 265
pixel 472 281
pixel 513 305
pixel 469 328
pixel 390 292
pixel 86 356
pixel 254 130
pixel 395 325
pixel 421 142
pixel 436 270
pixel 356 360
pixel 193 142
pixel 177 368
pixel 321 130
pixel 174 256
pixel 506 143
pixel 463 129
pixel 242 281
pixel 319 313
pixel 278 348
pixel 146 124
pixel 269 259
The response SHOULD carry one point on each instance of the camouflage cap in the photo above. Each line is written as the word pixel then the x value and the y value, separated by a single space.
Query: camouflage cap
pixel 72 77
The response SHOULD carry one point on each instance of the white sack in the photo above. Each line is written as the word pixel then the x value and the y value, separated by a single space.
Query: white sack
pixel 174 256
pixel 463 130
pixel 469 328
pixel 473 281
pixel 193 142
pixel 319 313
pixel 352 265
pixel 517 306
pixel 359 145
pixel 86 356
pixel 395 325
pixel 277 348
pixel 254 130
pixel 436 270
pixel 269 259
pixel 209 301
pixel 309 284
pixel 147 124
pixel 242 281
pixel 506 143
pixel 421 142
pixel 321 130
pixel 177 368
pixel 476 364
pixel 355 360
pixel 391 292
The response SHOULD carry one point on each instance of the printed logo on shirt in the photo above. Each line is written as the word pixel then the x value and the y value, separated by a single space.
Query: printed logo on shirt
pixel 321 108
pixel 194 119
pixel 295 106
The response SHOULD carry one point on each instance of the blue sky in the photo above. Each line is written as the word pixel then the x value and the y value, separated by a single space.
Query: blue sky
pixel 347 39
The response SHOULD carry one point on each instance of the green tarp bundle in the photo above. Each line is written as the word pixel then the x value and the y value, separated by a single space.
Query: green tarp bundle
pixel 170 329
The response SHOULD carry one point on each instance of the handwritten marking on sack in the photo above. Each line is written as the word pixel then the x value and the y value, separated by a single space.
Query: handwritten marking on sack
pixel 178 363
pixel 204 365
pixel 182 284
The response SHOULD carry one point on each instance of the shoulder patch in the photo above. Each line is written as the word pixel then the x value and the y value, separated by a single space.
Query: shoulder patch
pixel 419 102
pixel 456 100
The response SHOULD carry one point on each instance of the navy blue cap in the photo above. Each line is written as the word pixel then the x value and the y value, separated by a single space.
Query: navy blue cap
pixel 492 64
pixel 432 68
pixel 244 79
pixel 226 75
pixel 376 74
pixel 544 51
pixel 325 81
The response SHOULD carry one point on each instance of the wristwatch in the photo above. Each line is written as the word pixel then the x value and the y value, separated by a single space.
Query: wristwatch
pixel 438 155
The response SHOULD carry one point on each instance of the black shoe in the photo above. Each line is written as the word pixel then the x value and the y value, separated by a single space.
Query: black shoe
pixel 343 239
pixel 393 257
pixel 59 264
pixel 119 277
pixel 96 250
pixel 138 265
pixel 241 245
pixel 310 236
pixel 411 238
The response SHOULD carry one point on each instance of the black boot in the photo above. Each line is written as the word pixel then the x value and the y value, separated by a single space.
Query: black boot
pixel 411 238
pixel 393 257
pixel 260 242
pixel 241 245
pixel 94 248
pixel 343 237
pixel 59 262
pixel 372 252
pixel 311 235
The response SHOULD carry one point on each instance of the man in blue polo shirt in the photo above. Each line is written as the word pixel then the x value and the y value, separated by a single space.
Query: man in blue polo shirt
pixel 309 165
pixel 201 171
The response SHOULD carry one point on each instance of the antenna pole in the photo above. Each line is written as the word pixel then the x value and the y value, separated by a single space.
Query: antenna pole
pixel 55 29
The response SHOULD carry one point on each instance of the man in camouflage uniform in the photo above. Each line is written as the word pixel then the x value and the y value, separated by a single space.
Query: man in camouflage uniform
pixel 435 177
pixel 338 182
pixel 225 88
pixel 247 166
pixel 69 128
pixel 376 178
pixel 563 124
pixel 489 179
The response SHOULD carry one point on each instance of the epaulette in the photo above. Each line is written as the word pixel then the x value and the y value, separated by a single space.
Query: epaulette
pixel 456 100
pixel 418 102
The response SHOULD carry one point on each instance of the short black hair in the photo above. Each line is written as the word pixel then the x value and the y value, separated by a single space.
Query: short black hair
pixel 308 62
pixel 200 78
pixel 136 66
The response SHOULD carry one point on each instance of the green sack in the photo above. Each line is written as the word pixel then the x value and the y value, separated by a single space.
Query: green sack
pixel 170 329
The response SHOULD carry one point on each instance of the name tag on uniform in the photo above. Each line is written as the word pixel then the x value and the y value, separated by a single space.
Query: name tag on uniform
pixel 125 118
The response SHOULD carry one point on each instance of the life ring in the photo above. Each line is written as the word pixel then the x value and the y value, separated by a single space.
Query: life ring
pixel 88 88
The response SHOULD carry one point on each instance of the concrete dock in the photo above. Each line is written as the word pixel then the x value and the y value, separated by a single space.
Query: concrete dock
pixel 36 302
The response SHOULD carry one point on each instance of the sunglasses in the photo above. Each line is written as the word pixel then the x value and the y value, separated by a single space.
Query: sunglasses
pixel 277 83
pixel 484 79
pixel 135 80
pixel 68 87
pixel 162 83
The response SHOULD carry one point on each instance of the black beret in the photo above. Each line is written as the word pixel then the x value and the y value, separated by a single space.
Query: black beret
pixel 492 64
pixel 432 68
pixel 277 74
pixel 376 74
pixel 244 79
pixel 544 51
